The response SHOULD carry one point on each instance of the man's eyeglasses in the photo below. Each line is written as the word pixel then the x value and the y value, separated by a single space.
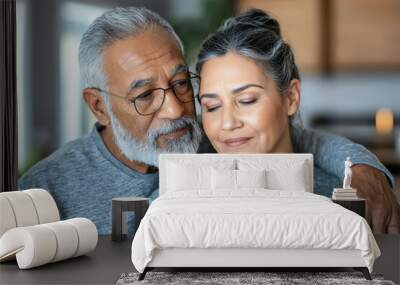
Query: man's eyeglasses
pixel 150 101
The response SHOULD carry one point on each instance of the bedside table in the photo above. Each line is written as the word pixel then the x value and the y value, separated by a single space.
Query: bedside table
pixel 120 207
pixel 355 205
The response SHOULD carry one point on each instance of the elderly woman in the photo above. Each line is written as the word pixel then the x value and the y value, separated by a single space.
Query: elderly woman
pixel 250 96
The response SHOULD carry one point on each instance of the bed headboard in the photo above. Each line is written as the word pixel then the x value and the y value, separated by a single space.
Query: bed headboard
pixel 284 165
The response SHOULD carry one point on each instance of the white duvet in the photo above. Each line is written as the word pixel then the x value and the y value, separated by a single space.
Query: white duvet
pixel 253 218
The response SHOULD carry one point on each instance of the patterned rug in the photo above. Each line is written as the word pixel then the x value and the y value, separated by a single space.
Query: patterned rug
pixel 229 278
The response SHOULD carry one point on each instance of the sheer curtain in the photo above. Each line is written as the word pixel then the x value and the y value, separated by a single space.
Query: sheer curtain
pixel 8 98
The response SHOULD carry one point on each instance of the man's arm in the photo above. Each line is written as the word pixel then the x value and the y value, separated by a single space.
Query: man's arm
pixel 330 151
pixel 371 179
pixel 382 208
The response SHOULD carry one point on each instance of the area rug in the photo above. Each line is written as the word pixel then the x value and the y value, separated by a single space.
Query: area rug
pixel 229 278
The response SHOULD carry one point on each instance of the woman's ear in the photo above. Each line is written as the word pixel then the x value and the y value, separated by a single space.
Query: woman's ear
pixel 96 105
pixel 293 97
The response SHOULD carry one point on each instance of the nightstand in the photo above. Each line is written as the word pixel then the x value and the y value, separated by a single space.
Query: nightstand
pixel 355 205
pixel 120 207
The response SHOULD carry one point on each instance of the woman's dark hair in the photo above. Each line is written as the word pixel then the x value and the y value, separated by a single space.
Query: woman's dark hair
pixel 255 35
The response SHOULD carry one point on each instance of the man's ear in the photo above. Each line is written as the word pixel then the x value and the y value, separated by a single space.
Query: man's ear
pixel 293 97
pixel 96 104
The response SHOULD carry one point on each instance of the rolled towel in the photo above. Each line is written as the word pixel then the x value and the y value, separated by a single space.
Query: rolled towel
pixel 45 206
pixel 40 244
pixel 23 209
pixel 26 208
pixel 7 218
pixel 87 234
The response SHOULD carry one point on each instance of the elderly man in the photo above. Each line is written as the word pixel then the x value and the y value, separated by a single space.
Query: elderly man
pixel 139 88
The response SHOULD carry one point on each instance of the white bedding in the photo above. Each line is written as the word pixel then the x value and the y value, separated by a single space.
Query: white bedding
pixel 251 218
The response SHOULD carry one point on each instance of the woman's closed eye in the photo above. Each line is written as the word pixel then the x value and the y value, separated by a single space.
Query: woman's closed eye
pixel 210 104
pixel 240 101
pixel 211 108
pixel 247 100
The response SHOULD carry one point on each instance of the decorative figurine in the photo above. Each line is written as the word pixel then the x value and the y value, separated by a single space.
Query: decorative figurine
pixel 346 192
pixel 347 174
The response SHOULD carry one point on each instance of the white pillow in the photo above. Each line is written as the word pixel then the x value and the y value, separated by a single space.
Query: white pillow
pixel 186 174
pixel 251 178
pixel 281 174
pixel 228 179
pixel 223 179
pixel 188 177
pixel 293 180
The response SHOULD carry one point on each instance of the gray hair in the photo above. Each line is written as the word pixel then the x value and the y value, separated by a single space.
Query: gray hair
pixel 255 35
pixel 113 25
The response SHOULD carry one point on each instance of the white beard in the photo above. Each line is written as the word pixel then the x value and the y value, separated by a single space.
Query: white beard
pixel 147 150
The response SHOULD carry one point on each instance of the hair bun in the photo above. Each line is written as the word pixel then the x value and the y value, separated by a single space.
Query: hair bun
pixel 254 19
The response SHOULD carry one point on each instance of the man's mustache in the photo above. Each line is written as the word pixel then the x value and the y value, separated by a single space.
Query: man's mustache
pixel 170 127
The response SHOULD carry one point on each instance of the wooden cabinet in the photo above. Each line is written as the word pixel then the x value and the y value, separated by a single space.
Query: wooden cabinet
pixel 338 35
pixel 365 34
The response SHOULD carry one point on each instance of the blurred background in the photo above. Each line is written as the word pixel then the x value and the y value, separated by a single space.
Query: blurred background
pixel 348 53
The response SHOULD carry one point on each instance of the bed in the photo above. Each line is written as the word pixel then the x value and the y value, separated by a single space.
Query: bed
pixel 247 211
